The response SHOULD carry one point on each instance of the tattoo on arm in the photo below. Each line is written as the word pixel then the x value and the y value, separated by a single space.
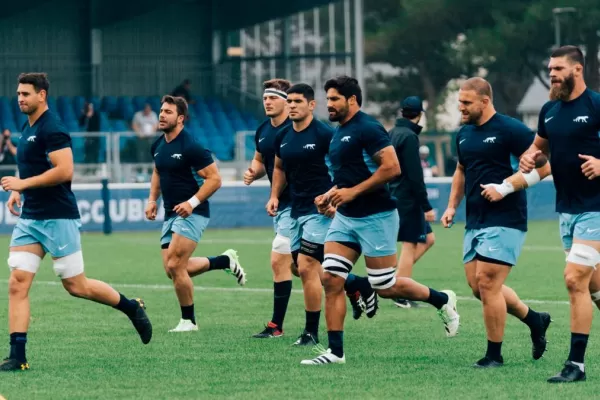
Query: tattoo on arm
pixel 377 157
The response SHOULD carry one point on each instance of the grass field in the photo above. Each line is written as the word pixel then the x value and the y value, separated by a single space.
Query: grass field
pixel 81 350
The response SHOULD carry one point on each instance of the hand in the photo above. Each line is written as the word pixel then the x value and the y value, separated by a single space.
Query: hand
pixel 249 176
pixel 591 167
pixel 448 217
pixel 184 209
pixel 527 163
pixel 15 198
pixel 272 206
pixel 13 183
pixel 338 197
pixel 151 210
pixel 490 192
pixel 430 216
pixel 322 203
pixel 329 212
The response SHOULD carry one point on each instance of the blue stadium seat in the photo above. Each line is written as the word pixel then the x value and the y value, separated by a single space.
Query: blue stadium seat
pixel 125 107
pixel 138 103
pixel 52 103
pixel 78 102
pixel 119 125
pixel 109 104
pixel 104 122
pixel 154 103
pixel 96 102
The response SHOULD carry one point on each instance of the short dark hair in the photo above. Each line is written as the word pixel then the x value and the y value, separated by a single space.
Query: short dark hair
pixel 346 86
pixel 39 80
pixel 572 53
pixel 180 103
pixel 305 90
pixel 278 84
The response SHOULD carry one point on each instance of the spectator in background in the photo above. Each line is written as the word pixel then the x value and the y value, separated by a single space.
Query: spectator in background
pixel 145 124
pixel 183 90
pixel 89 121
pixel 429 170
pixel 8 152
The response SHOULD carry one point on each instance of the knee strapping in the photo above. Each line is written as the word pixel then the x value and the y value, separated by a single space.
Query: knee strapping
pixel 337 265
pixel 69 266
pixel 382 278
pixel 281 245
pixel 595 296
pixel 583 255
pixel 24 261
pixel 314 250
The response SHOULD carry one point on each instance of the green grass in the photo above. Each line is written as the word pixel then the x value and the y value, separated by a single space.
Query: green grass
pixel 81 350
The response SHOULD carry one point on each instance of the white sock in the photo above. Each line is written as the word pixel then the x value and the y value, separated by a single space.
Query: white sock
pixel 580 365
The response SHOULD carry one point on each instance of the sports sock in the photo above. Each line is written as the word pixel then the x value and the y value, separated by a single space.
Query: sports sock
pixel 437 299
pixel 336 342
pixel 218 262
pixel 312 322
pixel 494 351
pixel 281 298
pixel 350 285
pixel 127 306
pixel 18 340
pixel 578 345
pixel 533 321
pixel 187 312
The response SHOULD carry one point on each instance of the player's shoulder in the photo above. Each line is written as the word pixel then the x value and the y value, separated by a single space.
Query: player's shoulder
pixel 157 142
pixel 323 129
pixel 191 141
pixel 512 124
pixel 550 104
pixel 594 98
pixel 51 123
pixel 369 124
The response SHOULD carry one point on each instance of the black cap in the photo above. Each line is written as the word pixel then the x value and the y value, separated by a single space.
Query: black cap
pixel 412 104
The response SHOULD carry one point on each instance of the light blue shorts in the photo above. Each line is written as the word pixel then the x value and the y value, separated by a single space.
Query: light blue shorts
pixel 312 228
pixel 283 223
pixel 584 226
pixel 498 243
pixel 376 234
pixel 191 227
pixel 59 237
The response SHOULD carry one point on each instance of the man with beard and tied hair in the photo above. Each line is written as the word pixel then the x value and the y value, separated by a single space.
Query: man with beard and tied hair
pixel 495 231
pixel 363 161
pixel 186 175
pixel 568 128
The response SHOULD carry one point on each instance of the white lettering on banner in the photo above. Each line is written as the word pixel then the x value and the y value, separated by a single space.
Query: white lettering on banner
pixel 433 193
pixel 130 210
pixel 6 217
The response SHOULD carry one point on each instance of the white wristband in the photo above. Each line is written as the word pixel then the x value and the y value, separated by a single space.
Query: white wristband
pixel 194 202
pixel 505 189
pixel 532 178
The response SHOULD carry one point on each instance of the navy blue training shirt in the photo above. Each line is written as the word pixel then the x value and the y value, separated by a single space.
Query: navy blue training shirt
pixel 485 152
pixel 264 139
pixel 47 134
pixel 178 163
pixel 571 129
pixel 350 152
pixel 305 162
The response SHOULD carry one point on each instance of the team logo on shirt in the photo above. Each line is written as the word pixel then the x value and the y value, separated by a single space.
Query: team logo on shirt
pixel 582 118
pixel 31 139
pixel 345 139
pixel 491 139
pixel 176 156
pixel 310 146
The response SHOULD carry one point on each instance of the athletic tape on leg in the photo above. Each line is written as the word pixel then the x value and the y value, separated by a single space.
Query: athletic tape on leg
pixel 281 245
pixel 69 266
pixel 337 265
pixel 583 255
pixel 595 296
pixel 24 261
pixel 382 278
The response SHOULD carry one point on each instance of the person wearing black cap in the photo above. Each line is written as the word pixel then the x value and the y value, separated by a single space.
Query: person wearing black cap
pixel 409 190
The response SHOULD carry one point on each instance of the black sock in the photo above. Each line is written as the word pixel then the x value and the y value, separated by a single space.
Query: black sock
pixel 18 340
pixel 218 262
pixel 578 344
pixel 336 342
pixel 437 299
pixel 494 351
pixel 187 312
pixel 350 286
pixel 281 297
pixel 533 320
pixel 127 306
pixel 312 322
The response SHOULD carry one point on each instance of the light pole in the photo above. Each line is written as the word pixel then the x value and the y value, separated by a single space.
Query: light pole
pixel 557 12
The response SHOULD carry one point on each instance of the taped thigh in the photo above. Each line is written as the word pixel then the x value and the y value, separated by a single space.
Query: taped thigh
pixel 24 261
pixel 281 245
pixel 583 254
pixel 337 265
pixel 311 249
pixel 69 266
pixel 381 279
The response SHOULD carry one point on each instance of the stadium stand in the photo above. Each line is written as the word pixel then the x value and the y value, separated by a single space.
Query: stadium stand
pixel 213 121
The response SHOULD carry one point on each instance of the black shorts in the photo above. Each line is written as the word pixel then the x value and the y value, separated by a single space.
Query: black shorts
pixel 413 227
